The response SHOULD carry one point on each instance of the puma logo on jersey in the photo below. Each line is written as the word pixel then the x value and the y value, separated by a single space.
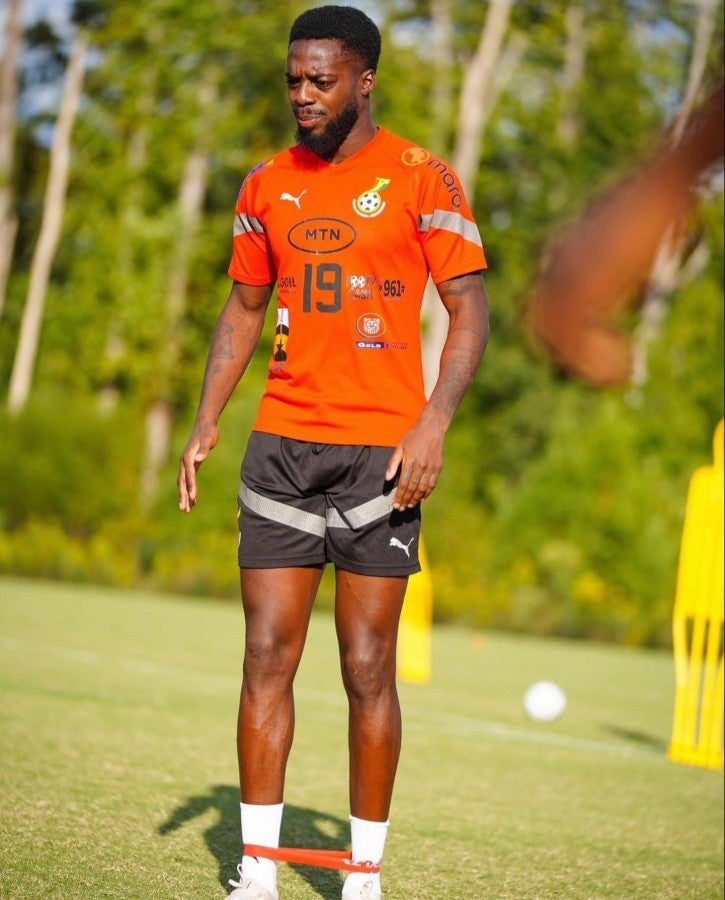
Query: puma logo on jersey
pixel 292 199
pixel 394 542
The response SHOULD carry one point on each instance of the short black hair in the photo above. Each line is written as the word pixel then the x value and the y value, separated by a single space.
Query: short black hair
pixel 355 31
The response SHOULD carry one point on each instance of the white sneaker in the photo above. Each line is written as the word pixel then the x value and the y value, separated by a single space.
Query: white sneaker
pixel 249 889
pixel 368 890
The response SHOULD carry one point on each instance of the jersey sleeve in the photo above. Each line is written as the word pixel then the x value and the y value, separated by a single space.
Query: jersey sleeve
pixel 449 234
pixel 251 262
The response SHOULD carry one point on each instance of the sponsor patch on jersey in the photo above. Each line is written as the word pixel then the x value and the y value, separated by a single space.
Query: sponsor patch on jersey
pixel 360 287
pixel 322 235
pixel 370 325
pixel 450 182
pixel 415 156
pixel 380 345
pixel 370 204
pixel 281 334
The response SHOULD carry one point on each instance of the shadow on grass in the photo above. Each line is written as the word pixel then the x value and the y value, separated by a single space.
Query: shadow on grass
pixel 300 828
pixel 651 741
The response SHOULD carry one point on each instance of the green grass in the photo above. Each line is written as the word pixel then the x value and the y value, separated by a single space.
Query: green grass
pixel 118 775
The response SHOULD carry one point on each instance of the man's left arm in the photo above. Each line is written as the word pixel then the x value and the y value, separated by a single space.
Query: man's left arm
pixel 419 455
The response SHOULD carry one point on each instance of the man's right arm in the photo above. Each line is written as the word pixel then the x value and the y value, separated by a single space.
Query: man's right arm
pixel 235 338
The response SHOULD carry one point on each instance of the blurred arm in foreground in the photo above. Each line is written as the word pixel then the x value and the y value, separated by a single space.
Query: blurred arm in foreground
pixel 601 266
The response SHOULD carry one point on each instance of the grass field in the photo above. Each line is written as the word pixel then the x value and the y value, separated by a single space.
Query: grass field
pixel 118 775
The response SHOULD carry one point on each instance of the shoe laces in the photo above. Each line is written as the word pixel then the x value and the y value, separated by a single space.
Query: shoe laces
pixel 368 891
pixel 243 882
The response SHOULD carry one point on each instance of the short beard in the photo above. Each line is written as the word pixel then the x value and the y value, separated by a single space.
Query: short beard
pixel 333 135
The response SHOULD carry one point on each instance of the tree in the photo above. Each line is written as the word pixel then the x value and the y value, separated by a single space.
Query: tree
pixel 484 78
pixel 9 78
pixel 192 189
pixel 53 206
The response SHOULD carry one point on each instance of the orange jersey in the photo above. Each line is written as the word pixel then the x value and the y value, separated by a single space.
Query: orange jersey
pixel 350 247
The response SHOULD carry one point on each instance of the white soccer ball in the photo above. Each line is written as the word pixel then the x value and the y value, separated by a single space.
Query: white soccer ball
pixel 544 701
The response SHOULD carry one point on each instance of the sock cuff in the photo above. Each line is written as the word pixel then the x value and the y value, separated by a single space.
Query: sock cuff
pixel 370 822
pixel 261 823
pixel 368 839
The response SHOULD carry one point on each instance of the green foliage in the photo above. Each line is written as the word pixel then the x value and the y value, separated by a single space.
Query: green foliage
pixel 559 508
pixel 70 465
pixel 587 543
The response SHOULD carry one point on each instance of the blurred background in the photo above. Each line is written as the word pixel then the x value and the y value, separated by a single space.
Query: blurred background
pixel 125 131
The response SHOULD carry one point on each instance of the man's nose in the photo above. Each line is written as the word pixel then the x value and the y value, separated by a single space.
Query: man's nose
pixel 304 93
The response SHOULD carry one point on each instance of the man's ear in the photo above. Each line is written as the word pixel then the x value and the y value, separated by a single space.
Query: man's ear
pixel 367 82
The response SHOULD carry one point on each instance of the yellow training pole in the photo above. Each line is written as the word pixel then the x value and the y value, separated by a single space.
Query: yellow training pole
pixel 697 625
pixel 414 635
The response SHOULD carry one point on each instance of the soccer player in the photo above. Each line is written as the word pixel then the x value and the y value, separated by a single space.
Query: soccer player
pixel 347 225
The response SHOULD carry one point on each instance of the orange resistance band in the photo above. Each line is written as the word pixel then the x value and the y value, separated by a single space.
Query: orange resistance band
pixel 327 859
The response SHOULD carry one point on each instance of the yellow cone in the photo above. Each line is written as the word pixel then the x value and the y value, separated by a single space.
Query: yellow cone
pixel 697 622
pixel 414 635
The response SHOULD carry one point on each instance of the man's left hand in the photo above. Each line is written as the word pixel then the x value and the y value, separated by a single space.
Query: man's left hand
pixel 418 459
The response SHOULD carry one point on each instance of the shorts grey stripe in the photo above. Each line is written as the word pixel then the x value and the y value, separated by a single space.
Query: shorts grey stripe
pixel 281 512
pixel 451 221
pixel 362 515
pixel 244 224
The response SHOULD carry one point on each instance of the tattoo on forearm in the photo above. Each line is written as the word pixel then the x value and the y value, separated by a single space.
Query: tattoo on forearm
pixel 459 363
pixel 460 286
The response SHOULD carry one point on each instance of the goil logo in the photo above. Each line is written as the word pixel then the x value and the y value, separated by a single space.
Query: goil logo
pixel 370 204
pixel 370 325
pixel 321 235
pixel 415 156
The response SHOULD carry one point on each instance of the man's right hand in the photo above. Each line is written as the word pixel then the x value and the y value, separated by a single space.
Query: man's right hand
pixel 202 440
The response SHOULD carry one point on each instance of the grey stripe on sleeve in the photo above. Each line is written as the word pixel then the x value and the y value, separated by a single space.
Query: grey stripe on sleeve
pixel 243 224
pixel 453 222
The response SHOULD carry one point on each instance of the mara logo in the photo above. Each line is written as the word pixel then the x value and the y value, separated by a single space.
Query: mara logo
pixel 394 542
pixel 370 204
pixel 321 235
pixel 450 182
pixel 370 325
pixel 415 156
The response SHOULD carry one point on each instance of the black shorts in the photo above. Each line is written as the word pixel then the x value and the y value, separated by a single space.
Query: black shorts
pixel 307 504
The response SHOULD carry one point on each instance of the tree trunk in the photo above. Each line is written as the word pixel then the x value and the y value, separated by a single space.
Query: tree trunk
pixel 483 83
pixel 9 78
pixel 442 63
pixel 475 103
pixel 667 264
pixel 567 126
pixel 129 216
pixel 50 228
pixel 159 419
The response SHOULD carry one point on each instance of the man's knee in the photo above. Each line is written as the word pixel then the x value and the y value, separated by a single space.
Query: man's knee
pixel 366 673
pixel 268 660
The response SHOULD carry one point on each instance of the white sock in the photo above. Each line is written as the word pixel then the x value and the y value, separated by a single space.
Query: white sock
pixel 368 843
pixel 261 825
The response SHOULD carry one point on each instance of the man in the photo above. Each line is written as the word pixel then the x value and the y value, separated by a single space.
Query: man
pixel 347 224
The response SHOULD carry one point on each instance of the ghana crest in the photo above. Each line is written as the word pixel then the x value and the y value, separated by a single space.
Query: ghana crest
pixel 370 204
